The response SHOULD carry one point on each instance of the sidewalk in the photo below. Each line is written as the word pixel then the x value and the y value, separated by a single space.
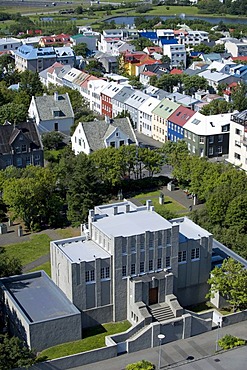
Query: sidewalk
pixel 179 196
pixel 200 348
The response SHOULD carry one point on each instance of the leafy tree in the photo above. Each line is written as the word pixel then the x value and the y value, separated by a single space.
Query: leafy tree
pixel 141 43
pixel 220 48
pixel 14 353
pixel 81 49
pixel 239 97
pixel 95 68
pixel 52 140
pixel 13 112
pixel 83 189
pixel 231 281
pixel 167 82
pixel 194 83
pixel 217 106
pixel 152 160
pixel 202 48
pixel 9 266
pixel 30 83
pixel 33 197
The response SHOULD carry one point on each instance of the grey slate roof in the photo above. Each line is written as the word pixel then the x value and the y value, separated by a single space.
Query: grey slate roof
pixel 9 132
pixel 123 94
pixel 136 99
pixel 46 105
pixel 97 131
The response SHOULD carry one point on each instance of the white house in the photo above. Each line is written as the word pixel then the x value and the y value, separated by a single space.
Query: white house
pixel 52 112
pixel 176 53
pixel 9 43
pixel 91 136
pixel 144 123
pixel 95 88
pixel 238 140
pixel 237 48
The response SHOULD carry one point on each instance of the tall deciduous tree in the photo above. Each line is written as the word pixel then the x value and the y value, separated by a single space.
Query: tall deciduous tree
pixel 230 280
pixel 239 97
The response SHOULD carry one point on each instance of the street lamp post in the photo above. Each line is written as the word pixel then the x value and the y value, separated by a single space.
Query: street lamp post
pixel 160 337
pixel 217 337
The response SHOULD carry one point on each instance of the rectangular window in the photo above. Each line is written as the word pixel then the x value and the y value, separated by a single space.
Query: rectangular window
pixel 195 253
pixel 211 139
pixel 105 273
pixel 133 249
pixel 24 148
pixel 201 139
pixel 189 135
pixel 220 138
pixel 150 265
pixel 182 256
pixel 133 269
pixel 28 161
pixel 19 162
pixel 219 149
pixel 141 267
pixel 210 150
pixel 168 237
pixel 124 271
pixel 168 261
pixel 17 149
pixel 237 131
pixel 124 249
pixel 92 275
pixel 237 156
pixel 159 264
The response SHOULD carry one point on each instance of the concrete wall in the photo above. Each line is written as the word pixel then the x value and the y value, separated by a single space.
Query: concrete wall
pixel 80 359
pixel 52 332
pixel 234 318
pixel 97 316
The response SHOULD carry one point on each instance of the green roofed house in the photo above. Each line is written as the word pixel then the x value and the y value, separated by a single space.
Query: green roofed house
pixel 160 115
pixel 89 39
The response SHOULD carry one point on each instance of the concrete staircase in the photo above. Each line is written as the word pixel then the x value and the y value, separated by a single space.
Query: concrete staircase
pixel 161 312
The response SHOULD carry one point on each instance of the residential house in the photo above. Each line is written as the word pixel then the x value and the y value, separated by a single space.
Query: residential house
pixel 208 136
pixel 160 116
pixel 9 43
pixel 144 123
pixel 189 37
pixel 154 69
pixel 176 53
pixel 37 59
pixel 221 67
pixel 150 50
pixel 132 105
pixel 130 259
pixel 20 145
pixel 91 136
pixel 90 39
pixel 50 75
pixel 183 99
pixel 129 61
pixel 216 78
pixel 206 99
pixel 118 101
pixel 58 40
pixel 108 61
pixel 176 122
pixel 52 112
pixel 107 94
pixel 238 140
pixel 237 48
pixel 95 88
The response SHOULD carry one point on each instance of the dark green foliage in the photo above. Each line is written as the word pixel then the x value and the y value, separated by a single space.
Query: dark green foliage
pixel 230 341
pixel 9 266
pixel 81 49
pixel 52 140
pixel 141 365
pixel 141 43
pixel 14 353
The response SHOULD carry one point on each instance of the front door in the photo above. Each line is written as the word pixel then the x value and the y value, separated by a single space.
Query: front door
pixel 153 296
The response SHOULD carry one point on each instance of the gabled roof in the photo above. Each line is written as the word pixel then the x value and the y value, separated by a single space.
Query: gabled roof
pixel 112 89
pixel 149 105
pixel 9 132
pixel 46 105
pixel 181 115
pixel 242 59
pixel 97 131
pixel 136 99
pixel 176 71
pixel 165 108
pixel 207 125
pixel 124 94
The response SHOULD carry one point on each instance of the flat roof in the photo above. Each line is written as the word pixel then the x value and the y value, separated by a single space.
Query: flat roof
pixel 81 249
pixel 189 229
pixel 135 222
pixel 38 297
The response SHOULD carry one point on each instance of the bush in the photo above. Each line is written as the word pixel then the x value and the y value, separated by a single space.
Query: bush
pixel 229 341
pixel 141 365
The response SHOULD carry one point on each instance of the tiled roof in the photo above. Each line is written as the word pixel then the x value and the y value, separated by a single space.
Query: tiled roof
pixel 243 58
pixel 181 115
pixel 8 134
pixel 46 105
pixel 176 71
pixel 97 131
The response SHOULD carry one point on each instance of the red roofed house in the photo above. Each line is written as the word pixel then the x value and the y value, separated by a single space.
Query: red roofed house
pixel 60 39
pixel 176 121
pixel 129 61
pixel 227 93
pixel 153 49
pixel 176 71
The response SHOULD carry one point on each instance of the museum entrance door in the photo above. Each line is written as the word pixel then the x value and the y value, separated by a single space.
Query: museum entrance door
pixel 153 296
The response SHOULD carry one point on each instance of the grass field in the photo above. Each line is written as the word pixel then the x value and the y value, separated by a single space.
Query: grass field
pixel 169 204
pixel 29 251
pixel 46 267
pixel 93 338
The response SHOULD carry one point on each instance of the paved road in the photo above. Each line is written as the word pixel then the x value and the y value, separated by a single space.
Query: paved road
pixel 174 355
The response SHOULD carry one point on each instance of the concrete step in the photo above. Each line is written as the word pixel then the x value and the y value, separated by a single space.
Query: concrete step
pixel 162 313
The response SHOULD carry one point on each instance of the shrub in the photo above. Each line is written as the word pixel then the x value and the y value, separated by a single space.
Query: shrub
pixel 229 341
pixel 141 365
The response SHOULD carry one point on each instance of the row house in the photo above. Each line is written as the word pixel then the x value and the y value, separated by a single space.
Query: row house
pixel 144 124
pixel 50 75
pixel 95 87
pixel 208 136
pixel 118 101
pixel 61 39
pixel 133 103
pixel 107 95
pixel 238 140
pixel 160 116
pixel 176 122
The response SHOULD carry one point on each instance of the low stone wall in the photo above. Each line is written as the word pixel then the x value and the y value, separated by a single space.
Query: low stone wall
pixel 234 318
pixel 80 359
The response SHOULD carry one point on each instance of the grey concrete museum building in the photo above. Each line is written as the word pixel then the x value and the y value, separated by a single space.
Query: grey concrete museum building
pixel 131 257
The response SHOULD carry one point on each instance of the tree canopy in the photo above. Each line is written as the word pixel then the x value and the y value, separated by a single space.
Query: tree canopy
pixel 14 353
pixel 230 280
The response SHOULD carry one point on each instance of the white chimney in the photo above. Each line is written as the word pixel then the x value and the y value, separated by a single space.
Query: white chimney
pixel 115 210
pixel 56 96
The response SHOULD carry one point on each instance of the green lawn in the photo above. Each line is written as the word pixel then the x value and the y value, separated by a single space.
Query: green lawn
pixel 30 250
pixel 93 338
pixel 46 267
pixel 68 232
pixel 169 204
